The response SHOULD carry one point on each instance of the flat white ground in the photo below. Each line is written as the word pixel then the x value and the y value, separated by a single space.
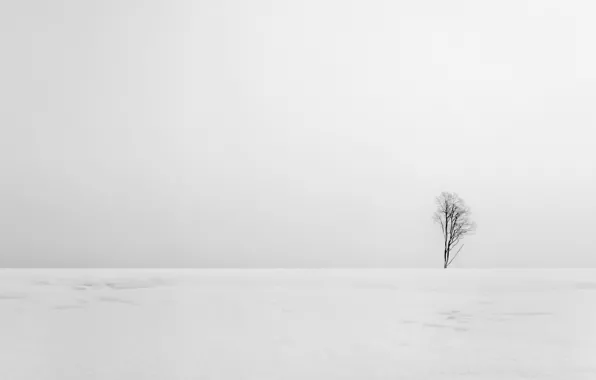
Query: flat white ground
pixel 297 324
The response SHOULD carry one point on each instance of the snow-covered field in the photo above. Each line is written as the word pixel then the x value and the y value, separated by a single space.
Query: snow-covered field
pixel 297 324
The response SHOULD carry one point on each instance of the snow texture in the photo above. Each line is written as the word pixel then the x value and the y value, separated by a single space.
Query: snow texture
pixel 297 324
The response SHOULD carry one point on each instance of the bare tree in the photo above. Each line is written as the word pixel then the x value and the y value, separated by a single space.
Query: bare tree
pixel 454 217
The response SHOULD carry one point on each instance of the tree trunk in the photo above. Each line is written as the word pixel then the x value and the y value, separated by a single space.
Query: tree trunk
pixel 447 254
pixel 446 233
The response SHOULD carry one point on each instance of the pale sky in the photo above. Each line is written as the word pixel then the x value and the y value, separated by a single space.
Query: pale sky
pixel 304 133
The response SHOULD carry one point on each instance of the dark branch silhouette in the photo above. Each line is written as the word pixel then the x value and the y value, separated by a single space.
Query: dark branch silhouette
pixel 454 217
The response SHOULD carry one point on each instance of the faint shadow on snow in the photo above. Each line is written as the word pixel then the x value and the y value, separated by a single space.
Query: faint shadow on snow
pixel 454 319
pixel 85 284
pixel 116 300
pixel 68 307
pixel 81 304
pixel 527 314
pixel 131 284
pixel 443 326
pixel 12 296
pixel 88 286
pixel 456 316
pixel 586 285
pixel 118 284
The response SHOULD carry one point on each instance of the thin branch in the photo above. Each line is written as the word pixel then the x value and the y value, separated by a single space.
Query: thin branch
pixel 455 241
pixel 454 256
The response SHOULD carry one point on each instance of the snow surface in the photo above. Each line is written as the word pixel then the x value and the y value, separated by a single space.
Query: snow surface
pixel 297 324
